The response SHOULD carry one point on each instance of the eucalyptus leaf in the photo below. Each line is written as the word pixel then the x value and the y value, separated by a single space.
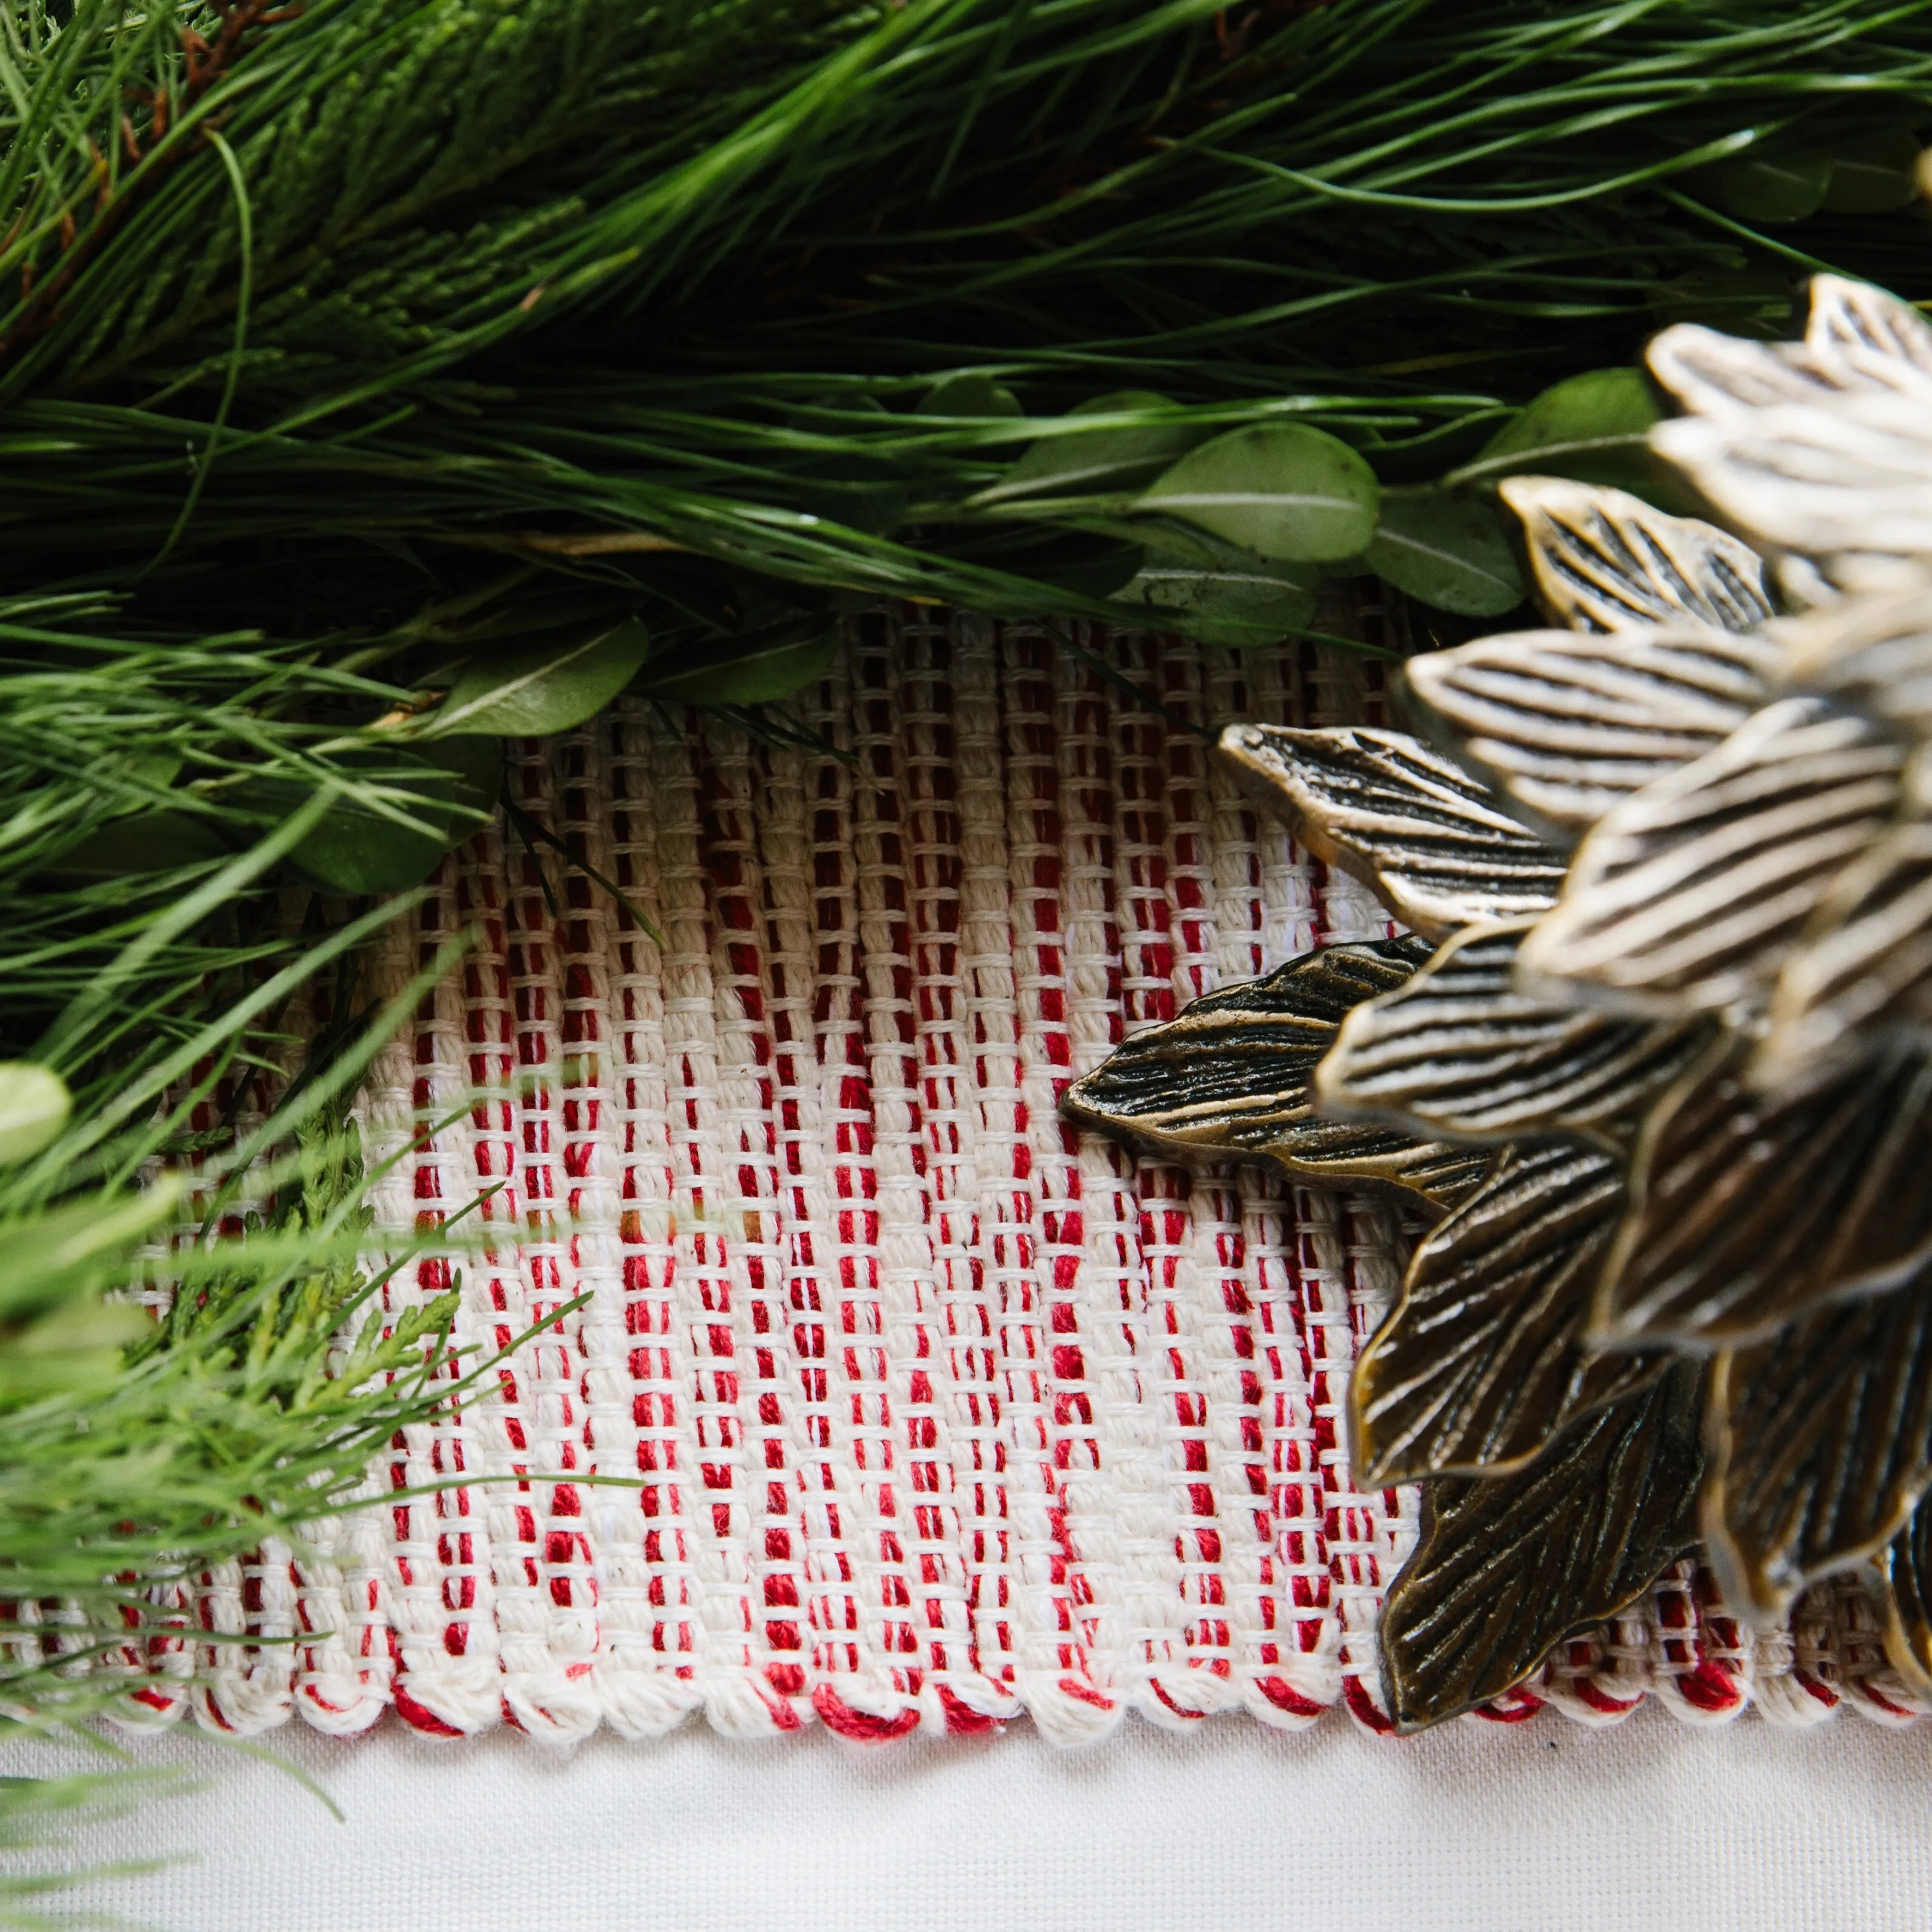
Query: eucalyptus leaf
pixel 1097 462
pixel 759 669
pixel 540 689
pixel 1593 426
pixel 1282 490
pixel 971 394
pixel 1770 187
pixel 1221 595
pixel 1872 173
pixel 162 841
pixel 356 851
pixel 35 1104
pixel 1447 551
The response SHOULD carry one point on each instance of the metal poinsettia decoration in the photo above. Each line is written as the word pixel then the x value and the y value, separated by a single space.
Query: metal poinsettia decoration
pixel 1658 1049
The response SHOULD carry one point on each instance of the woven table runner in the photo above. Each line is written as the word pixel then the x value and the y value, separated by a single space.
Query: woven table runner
pixel 927 1410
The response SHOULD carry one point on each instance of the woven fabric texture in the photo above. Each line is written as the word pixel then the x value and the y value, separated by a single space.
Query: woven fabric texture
pixel 927 1411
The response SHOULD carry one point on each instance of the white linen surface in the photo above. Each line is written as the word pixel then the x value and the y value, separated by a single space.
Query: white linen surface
pixel 1226 1828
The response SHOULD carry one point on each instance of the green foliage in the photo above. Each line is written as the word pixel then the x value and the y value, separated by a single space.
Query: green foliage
pixel 1281 490
pixel 1449 551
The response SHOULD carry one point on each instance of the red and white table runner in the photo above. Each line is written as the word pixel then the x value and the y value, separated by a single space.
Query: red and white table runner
pixel 927 1411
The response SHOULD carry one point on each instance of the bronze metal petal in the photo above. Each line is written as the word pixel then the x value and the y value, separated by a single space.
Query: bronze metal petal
pixel 1904 1593
pixel 1859 335
pixel 1873 654
pixel 1231 1078
pixel 1864 973
pixel 1482 1360
pixel 1749 1210
pixel 1603 560
pixel 1509 1566
pixel 1459 1052
pixel 1820 1445
pixel 1571 724
pixel 1692 894
pixel 1433 844
pixel 1844 478
pixel 1816 447
pixel 1713 374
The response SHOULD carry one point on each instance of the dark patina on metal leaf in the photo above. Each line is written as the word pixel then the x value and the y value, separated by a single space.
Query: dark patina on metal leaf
pixel 1904 1590
pixel 1748 1210
pixel 1232 1078
pixel 1570 725
pixel 1482 1360
pixel 1603 560
pixel 1459 1052
pixel 1435 845
pixel 1509 1566
pixel 1693 894
pixel 1820 1445
pixel 1863 974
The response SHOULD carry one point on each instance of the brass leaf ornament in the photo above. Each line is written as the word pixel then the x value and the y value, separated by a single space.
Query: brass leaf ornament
pixel 1433 844
pixel 1569 726
pixel 1902 1574
pixel 1676 862
pixel 1748 1210
pixel 1232 1078
pixel 1485 1357
pixel 1820 1446
pixel 1603 560
pixel 1508 1566
pixel 1459 1051
pixel 1691 894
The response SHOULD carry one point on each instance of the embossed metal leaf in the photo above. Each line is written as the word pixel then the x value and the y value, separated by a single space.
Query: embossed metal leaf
pixel 1858 339
pixel 1570 725
pixel 1603 560
pixel 1873 654
pixel 1231 1078
pixel 1864 973
pixel 1859 334
pixel 1820 1445
pixel 1432 842
pixel 1508 1566
pixel 1712 374
pixel 1748 1210
pixel 1691 894
pixel 1843 479
pixel 1459 1052
pixel 1816 447
pixel 1904 1596
pixel 1482 1360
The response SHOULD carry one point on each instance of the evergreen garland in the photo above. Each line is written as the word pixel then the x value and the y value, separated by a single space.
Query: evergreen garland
pixel 376 379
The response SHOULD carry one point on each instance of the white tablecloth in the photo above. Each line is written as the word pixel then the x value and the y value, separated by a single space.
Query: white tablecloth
pixel 1544 1828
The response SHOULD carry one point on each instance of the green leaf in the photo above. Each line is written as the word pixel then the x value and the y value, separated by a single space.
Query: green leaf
pixel 1594 427
pixel 1448 550
pixel 34 1106
pixel 358 851
pixel 759 669
pixel 163 841
pixel 1222 595
pixel 1097 462
pixel 969 395
pixel 1872 173
pixel 1758 186
pixel 543 688
pixel 1283 490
